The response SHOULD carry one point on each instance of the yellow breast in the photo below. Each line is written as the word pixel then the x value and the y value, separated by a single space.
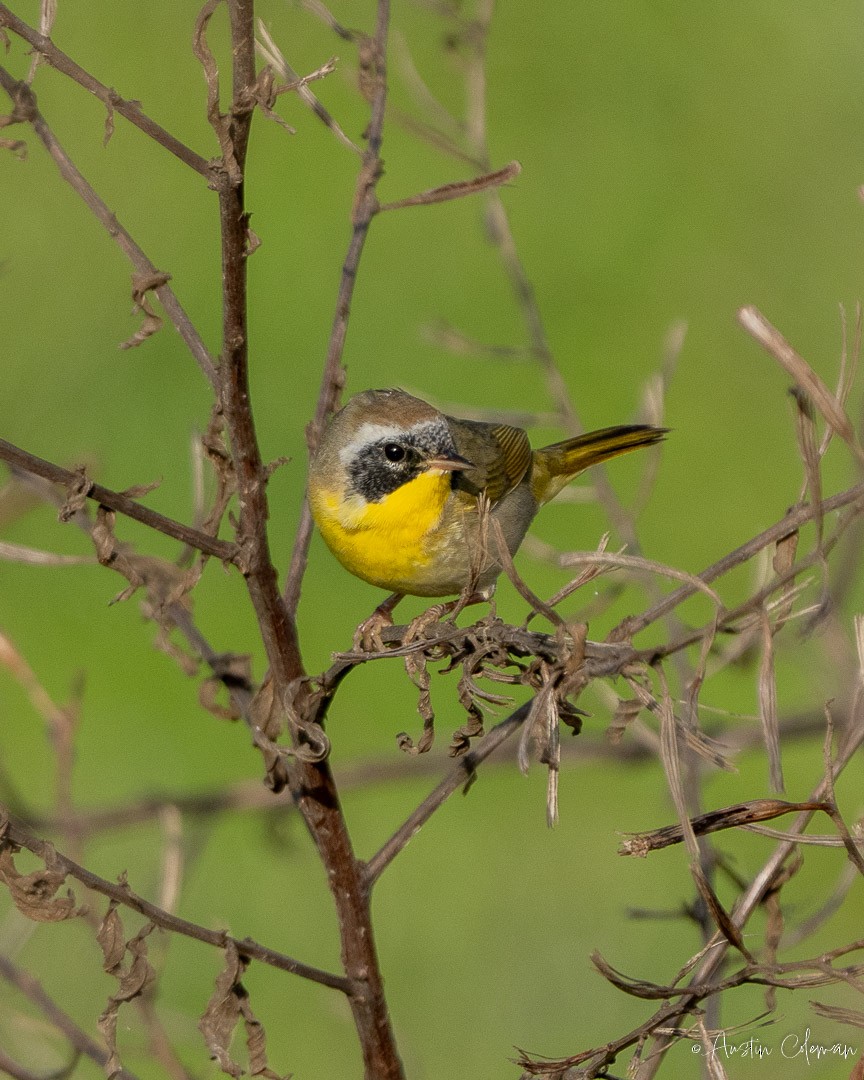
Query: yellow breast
pixel 391 543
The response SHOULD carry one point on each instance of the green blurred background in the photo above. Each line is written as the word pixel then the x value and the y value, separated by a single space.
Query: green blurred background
pixel 678 161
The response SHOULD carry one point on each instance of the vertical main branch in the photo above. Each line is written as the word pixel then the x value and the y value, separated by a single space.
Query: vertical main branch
pixel 278 629
pixel 311 782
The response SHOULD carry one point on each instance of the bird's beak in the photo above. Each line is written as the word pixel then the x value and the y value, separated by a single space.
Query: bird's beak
pixel 449 463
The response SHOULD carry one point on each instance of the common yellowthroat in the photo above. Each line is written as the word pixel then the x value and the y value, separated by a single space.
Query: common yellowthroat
pixel 397 489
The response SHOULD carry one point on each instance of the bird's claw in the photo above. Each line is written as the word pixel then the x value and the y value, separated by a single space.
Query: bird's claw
pixel 417 627
pixel 367 636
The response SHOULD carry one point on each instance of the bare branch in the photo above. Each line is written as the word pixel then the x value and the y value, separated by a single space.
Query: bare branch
pixel 113 102
pixel 268 48
pixel 459 776
pixel 374 52
pixel 730 817
pixel 32 989
pixel 13 834
pixel 458 189
pixel 19 553
pixel 755 323
pixel 25 108
pixel 77 483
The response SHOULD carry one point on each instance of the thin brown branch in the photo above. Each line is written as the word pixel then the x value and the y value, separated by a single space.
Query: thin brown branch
pixel 25 109
pixel 78 485
pixel 10 1067
pixel 113 102
pixel 273 55
pixel 445 336
pixel 438 140
pixel 843 1016
pixel 458 189
pixel 638 565
pixel 767 690
pixel 33 557
pixel 277 625
pixel 797 517
pixel 773 342
pixel 78 1039
pixel 459 776
pixel 365 207
pixel 794 976
pixel 729 817
pixel 13 834
pixel 506 560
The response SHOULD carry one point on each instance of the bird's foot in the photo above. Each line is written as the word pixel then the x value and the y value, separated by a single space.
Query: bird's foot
pixel 418 627
pixel 367 636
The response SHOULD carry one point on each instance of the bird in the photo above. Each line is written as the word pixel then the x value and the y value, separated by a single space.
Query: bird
pixel 416 502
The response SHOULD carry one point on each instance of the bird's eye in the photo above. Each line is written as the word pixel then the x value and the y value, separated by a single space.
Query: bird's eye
pixel 394 452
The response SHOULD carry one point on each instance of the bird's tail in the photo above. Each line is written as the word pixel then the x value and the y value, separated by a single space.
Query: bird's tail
pixel 556 465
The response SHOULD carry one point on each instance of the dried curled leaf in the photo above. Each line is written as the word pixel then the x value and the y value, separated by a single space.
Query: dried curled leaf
pixel 140 974
pixel 76 496
pixel 626 712
pixel 34 893
pixel 141 285
pixel 459 188
pixel 132 980
pixel 728 817
pixel 415 666
pixel 228 1005
pixel 111 939
pixel 224 1011
pixel 472 729
pixel 636 987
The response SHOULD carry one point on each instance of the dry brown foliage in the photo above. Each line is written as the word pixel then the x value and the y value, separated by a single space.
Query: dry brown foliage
pixel 661 684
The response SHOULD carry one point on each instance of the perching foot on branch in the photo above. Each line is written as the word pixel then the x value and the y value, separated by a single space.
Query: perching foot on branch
pixel 417 627
pixel 367 636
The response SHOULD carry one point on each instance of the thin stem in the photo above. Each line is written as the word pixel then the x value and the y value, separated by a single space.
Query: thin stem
pixel 33 990
pixel 366 206
pixel 25 108
pixel 173 923
pixel 76 482
pixel 277 626
pixel 462 774
pixel 130 110
pixel 752 898
pixel 793 520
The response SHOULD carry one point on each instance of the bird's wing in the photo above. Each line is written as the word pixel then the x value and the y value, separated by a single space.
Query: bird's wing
pixel 500 454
